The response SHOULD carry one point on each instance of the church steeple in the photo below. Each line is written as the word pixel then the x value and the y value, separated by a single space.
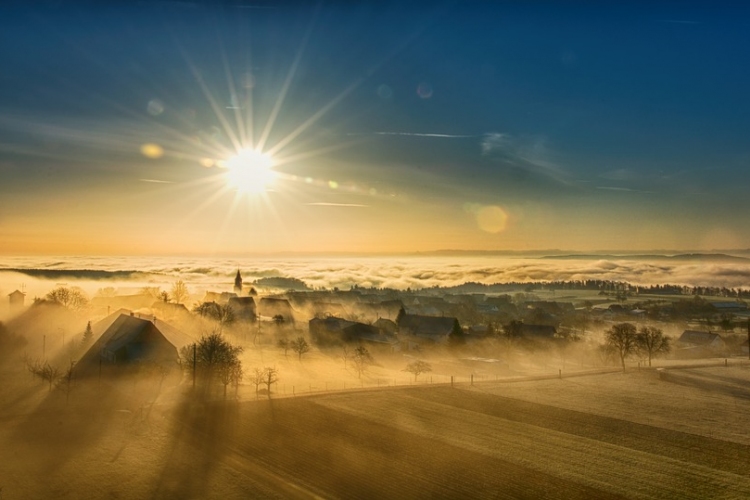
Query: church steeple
pixel 238 283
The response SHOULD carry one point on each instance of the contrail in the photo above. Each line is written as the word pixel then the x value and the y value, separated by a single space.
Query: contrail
pixel 416 134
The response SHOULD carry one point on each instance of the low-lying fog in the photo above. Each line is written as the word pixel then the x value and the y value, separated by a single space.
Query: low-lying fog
pixel 416 272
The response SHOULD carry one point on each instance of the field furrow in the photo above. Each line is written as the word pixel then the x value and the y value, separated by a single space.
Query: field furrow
pixel 714 453
pixel 589 461
pixel 347 456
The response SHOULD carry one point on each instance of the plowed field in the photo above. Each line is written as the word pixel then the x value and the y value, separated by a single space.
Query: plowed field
pixel 402 443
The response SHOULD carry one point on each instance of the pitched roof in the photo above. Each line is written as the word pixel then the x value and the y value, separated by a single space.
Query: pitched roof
pixel 698 337
pixel 242 302
pixel 427 326
pixel 538 331
pixel 126 328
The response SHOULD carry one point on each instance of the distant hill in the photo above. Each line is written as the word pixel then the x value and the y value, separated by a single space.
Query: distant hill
pixel 705 257
pixel 56 274
pixel 284 283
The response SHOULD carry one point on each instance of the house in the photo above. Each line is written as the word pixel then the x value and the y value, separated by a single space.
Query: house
pixel 729 306
pixel 696 338
pixel 360 332
pixel 243 308
pixel 130 339
pixel 219 298
pixel 386 326
pixel 328 330
pixel 15 299
pixel 323 309
pixel 538 331
pixel 436 329
pixel 271 307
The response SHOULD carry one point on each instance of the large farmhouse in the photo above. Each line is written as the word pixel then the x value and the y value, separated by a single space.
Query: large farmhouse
pixel 130 340
pixel 415 328
pixel 694 343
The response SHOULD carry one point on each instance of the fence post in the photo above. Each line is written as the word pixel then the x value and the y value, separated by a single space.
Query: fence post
pixel 559 371
pixel 472 379
pixel 451 380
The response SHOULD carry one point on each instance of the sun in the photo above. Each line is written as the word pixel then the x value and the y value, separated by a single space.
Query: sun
pixel 249 172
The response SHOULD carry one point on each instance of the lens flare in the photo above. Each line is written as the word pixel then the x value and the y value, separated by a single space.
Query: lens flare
pixel 151 150
pixel 250 171
pixel 492 219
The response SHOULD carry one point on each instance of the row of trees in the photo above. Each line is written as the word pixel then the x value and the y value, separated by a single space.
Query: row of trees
pixel 625 340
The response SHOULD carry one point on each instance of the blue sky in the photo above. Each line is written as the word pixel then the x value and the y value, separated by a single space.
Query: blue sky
pixel 402 128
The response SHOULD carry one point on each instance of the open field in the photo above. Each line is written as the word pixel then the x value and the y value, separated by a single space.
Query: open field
pixel 634 435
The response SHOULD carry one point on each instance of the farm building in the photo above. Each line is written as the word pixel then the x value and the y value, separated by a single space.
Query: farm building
pixel 243 308
pixel 219 298
pixel 436 329
pixel 538 331
pixel 695 343
pixel 130 339
pixel 359 332
pixel 271 307
pixel 327 330
pixel 386 326
pixel 15 299
pixel 729 306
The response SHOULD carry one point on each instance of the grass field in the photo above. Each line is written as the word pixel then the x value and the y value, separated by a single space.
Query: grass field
pixel 648 434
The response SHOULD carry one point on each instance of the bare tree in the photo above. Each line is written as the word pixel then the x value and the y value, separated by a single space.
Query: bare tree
pixel 272 376
pixel 283 344
pixel 73 298
pixel 229 372
pixel 65 383
pixel 622 338
pixel 300 346
pixel 652 342
pixel 257 377
pixel 362 359
pixel 180 292
pixel 223 314
pixel 50 374
pixel 345 354
pixel 417 367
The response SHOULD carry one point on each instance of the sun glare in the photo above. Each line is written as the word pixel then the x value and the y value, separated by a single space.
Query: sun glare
pixel 250 171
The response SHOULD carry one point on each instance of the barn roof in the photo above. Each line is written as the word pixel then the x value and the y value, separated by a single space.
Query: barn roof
pixel 698 337
pixel 427 326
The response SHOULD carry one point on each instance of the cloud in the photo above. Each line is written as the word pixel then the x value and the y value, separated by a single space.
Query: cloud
pixel 418 134
pixel 157 181
pixel 327 204
pixel 393 272
pixel 524 154
pixel 622 189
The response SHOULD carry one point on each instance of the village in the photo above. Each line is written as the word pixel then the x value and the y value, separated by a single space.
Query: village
pixel 524 332
pixel 259 389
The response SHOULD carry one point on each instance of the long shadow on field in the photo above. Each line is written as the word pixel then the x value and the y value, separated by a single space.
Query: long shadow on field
pixel 715 384
pixel 199 435
pixel 346 456
pixel 60 428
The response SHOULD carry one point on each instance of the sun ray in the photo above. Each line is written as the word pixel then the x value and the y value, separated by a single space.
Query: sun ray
pixel 287 83
pixel 314 118
pixel 233 93
pixel 214 105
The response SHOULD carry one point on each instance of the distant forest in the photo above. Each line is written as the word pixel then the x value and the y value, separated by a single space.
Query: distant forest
pixel 605 287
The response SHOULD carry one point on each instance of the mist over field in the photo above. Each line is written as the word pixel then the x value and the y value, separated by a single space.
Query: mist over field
pixel 39 274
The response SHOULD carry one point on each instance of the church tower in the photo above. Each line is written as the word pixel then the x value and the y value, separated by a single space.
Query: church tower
pixel 238 283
